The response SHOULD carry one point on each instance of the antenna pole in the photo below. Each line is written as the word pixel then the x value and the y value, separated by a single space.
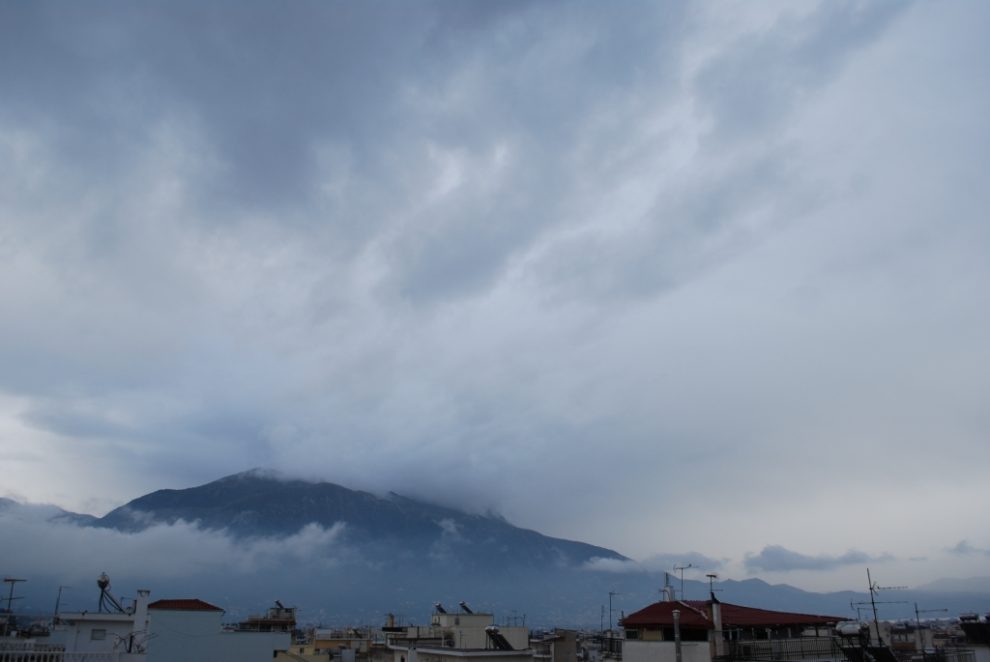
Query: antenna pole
pixel 917 620
pixel 10 602
pixel 873 602
pixel 58 600
pixel 610 594
pixel 711 583
pixel 682 568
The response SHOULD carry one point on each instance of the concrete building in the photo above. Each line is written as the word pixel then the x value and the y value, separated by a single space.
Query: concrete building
pixel 977 633
pixel 120 635
pixel 343 644
pixel 459 636
pixel 192 631
pixel 559 646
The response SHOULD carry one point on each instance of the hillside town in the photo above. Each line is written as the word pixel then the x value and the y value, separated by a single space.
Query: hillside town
pixel 674 629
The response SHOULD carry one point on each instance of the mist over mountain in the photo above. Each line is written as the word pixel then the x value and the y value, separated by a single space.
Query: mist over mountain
pixel 345 556
pixel 259 505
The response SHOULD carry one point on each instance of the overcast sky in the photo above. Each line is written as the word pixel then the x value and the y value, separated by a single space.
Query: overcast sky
pixel 675 279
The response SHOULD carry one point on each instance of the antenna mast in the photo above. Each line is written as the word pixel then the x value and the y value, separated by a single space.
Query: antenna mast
pixel 682 568
pixel 10 602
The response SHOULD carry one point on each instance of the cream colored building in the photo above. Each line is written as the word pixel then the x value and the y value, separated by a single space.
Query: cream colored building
pixel 459 636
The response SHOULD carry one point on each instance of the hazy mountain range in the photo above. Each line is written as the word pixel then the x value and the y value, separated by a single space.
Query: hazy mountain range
pixel 345 556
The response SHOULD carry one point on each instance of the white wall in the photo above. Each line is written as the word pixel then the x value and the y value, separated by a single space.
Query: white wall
pixel 982 653
pixel 664 651
pixel 196 636
pixel 76 632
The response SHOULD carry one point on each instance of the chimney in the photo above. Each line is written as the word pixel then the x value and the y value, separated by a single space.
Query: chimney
pixel 719 637
pixel 140 630
pixel 668 590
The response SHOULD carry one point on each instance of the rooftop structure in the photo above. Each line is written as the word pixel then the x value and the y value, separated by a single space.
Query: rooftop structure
pixel 706 630
pixel 459 636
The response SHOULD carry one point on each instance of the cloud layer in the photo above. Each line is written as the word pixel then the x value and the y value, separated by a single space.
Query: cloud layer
pixel 774 558
pixel 674 276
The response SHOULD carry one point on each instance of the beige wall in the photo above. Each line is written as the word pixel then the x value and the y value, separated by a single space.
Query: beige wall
pixel 634 650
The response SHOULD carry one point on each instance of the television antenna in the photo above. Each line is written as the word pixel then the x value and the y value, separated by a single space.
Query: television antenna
pixel 682 568
pixel 610 594
pixel 917 620
pixel 58 601
pixel 10 601
pixel 874 589
pixel 711 583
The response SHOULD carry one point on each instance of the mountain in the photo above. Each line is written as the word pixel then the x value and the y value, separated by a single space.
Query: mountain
pixel 345 557
pixel 256 504
pixel 44 512
pixel 957 585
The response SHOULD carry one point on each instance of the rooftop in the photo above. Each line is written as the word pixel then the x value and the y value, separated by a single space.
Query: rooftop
pixel 698 614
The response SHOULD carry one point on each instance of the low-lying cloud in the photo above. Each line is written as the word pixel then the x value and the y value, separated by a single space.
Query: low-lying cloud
pixel 664 562
pixel 963 548
pixel 31 546
pixel 775 558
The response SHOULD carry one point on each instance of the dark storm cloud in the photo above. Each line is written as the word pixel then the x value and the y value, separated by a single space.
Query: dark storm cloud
pixel 775 558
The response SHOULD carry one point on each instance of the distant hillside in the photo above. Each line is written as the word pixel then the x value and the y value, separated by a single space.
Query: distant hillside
pixel 956 585
pixel 385 554
pixel 45 512
pixel 254 504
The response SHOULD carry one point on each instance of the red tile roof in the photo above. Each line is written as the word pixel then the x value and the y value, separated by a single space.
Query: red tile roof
pixel 194 604
pixel 698 614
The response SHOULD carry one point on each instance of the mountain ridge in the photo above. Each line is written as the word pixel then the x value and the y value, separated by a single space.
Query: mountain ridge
pixel 257 504
pixel 393 553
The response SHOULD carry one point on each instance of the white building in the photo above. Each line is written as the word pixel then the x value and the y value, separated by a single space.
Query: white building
pixel 124 636
pixel 192 631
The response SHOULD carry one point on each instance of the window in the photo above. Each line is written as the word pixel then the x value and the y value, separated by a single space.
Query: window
pixel 97 634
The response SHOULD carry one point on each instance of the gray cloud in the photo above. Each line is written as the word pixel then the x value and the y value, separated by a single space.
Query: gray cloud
pixel 658 563
pixel 35 546
pixel 755 83
pixel 963 548
pixel 775 558
pixel 646 246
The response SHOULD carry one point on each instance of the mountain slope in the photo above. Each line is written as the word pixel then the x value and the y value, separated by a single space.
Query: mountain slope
pixel 254 504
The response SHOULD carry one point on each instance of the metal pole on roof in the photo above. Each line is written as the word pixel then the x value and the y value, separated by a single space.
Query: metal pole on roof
pixel 58 601
pixel 920 636
pixel 682 568
pixel 677 635
pixel 711 583
pixel 10 602
pixel 610 594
